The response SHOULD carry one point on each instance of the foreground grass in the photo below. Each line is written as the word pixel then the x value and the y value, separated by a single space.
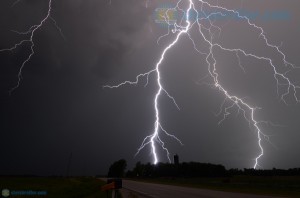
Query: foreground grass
pixel 56 187
pixel 273 186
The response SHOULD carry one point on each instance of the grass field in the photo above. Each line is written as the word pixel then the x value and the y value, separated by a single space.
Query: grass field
pixel 56 187
pixel 88 187
pixel 274 186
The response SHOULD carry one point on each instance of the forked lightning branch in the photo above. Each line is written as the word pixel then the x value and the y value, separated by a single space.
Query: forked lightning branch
pixel 192 14
pixel 195 16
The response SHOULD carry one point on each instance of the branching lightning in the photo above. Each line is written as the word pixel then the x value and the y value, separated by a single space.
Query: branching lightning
pixel 180 30
pixel 31 32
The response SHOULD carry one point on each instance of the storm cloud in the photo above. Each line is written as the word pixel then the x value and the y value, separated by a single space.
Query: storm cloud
pixel 61 107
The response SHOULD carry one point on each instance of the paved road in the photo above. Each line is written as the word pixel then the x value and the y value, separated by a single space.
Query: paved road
pixel 148 190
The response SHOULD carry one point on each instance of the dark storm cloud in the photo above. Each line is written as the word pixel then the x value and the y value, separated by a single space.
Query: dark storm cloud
pixel 61 108
pixel 104 33
pixel 55 117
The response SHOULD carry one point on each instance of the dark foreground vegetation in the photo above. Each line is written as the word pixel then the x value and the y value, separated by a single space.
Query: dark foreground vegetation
pixel 53 187
pixel 274 182
pixel 190 170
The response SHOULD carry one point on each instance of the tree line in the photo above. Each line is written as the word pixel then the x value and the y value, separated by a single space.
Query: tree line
pixel 189 169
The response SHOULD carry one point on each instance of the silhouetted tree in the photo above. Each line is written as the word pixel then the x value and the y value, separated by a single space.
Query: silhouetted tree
pixel 117 169
pixel 196 169
pixel 139 169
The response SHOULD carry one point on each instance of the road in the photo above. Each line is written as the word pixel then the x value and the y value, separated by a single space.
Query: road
pixel 149 190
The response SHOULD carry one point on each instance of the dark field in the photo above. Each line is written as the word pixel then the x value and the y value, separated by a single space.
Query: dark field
pixel 88 187
pixel 56 187
pixel 287 186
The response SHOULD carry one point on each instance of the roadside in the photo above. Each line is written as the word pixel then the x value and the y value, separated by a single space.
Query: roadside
pixel 132 194
pixel 135 189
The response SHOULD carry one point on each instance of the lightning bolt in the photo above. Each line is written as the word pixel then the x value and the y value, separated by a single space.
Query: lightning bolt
pixel 183 28
pixel 235 100
pixel 31 32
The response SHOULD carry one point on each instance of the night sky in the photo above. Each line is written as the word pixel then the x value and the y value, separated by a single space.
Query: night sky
pixel 61 107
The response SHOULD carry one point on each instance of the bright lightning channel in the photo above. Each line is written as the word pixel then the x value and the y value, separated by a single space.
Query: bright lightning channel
pixel 180 30
pixel 31 32
pixel 248 110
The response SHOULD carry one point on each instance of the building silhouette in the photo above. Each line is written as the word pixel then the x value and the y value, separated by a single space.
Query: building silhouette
pixel 176 159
